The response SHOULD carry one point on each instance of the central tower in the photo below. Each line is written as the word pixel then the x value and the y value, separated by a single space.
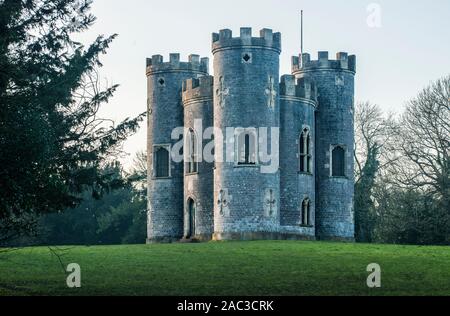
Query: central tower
pixel 246 109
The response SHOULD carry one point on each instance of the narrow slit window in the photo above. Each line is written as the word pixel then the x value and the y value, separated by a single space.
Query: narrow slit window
pixel 192 163
pixel 246 147
pixel 308 154
pixel 305 152
pixel 306 212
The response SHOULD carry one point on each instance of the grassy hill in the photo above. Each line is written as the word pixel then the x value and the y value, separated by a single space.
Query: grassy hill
pixel 234 268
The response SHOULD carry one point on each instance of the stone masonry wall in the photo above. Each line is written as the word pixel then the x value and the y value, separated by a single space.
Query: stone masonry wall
pixel 334 127
pixel 246 72
pixel 198 186
pixel 298 105
pixel 235 201
pixel 165 112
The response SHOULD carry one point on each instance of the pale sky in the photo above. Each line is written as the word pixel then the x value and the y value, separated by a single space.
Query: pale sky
pixel 394 61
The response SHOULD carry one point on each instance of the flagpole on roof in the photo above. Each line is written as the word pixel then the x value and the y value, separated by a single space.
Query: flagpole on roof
pixel 301 33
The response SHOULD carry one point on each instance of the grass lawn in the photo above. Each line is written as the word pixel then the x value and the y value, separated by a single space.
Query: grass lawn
pixel 229 268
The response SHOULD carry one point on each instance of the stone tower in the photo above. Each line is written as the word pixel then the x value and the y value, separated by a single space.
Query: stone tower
pixel 334 141
pixel 298 101
pixel 198 169
pixel 165 113
pixel 244 155
pixel 246 98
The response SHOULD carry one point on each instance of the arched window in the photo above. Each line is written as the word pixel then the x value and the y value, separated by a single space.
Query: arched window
pixel 161 162
pixel 192 161
pixel 338 162
pixel 246 147
pixel 306 212
pixel 305 151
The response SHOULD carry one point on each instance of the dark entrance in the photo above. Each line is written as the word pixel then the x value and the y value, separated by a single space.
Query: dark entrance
pixel 191 219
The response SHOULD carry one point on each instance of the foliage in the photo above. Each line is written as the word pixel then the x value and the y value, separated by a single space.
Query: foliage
pixel 119 217
pixel 424 143
pixel 373 133
pixel 409 217
pixel 53 144
pixel 403 195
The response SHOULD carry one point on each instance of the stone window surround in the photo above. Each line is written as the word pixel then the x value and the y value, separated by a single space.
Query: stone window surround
pixel 187 214
pixel 237 132
pixel 311 156
pixel 308 216
pixel 161 82
pixel 250 60
pixel 332 147
pixel 168 147
pixel 191 130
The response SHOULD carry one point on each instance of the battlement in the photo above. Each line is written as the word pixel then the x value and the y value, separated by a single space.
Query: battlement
pixel 298 88
pixel 198 88
pixel 156 64
pixel 225 40
pixel 343 62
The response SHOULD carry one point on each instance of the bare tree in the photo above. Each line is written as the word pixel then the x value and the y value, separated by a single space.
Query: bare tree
pixel 373 135
pixel 138 173
pixel 415 206
pixel 140 164
pixel 424 143
pixel 402 170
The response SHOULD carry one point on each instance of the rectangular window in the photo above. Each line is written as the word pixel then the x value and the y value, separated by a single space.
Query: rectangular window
pixel 338 161
pixel 161 161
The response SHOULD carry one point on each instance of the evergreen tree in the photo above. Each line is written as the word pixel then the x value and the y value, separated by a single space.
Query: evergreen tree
pixel 52 144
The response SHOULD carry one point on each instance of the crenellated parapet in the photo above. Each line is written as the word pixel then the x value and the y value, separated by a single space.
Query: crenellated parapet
pixel 197 89
pixel 303 88
pixel 343 61
pixel 156 64
pixel 225 40
pixel 303 189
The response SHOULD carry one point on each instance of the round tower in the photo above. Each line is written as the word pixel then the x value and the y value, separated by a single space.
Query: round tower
pixel 165 113
pixel 246 109
pixel 334 141
pixel 298 100
pixel 198 167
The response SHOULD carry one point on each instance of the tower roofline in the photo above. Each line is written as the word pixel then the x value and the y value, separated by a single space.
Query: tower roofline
pixel 156 64
pixel 198 89
pixel 298 88
pixel 343 61
pixel 267 39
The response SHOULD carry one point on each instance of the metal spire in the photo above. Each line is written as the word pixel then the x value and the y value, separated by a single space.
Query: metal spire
pixel 301 30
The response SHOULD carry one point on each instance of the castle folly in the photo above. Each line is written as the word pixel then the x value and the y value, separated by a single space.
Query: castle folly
pixel 304 120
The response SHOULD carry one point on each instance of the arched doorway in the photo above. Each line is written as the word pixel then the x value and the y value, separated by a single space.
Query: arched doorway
pixel 191 218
